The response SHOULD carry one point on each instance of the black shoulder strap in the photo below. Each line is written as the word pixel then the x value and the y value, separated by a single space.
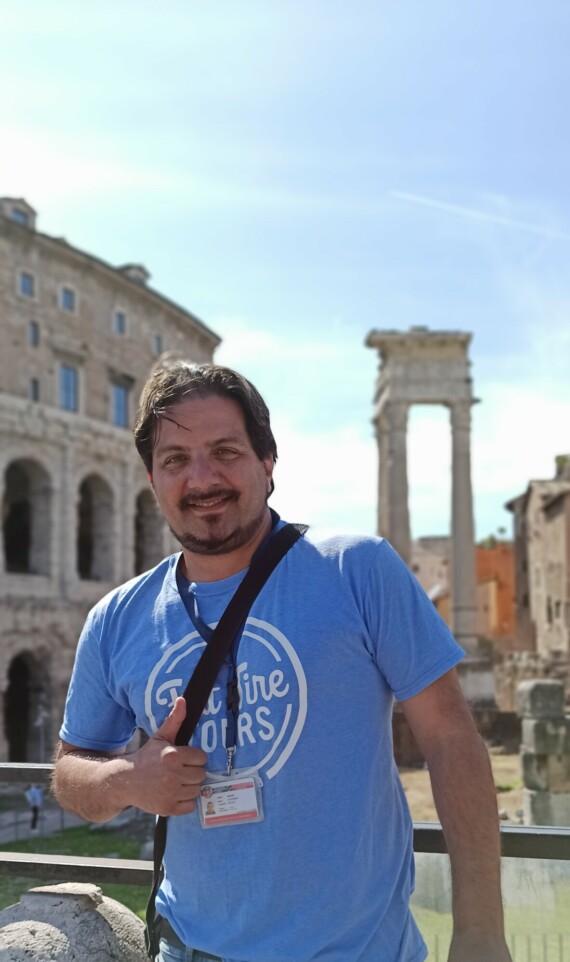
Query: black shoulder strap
pixel 204 677
pixel 206 671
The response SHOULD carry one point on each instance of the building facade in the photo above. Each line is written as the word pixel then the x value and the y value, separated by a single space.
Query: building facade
pixel 79 338
pixel 541 522
pixel 494 570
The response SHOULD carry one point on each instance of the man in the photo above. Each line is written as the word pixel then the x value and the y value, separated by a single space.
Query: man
pixel 34 798
pixel 321 867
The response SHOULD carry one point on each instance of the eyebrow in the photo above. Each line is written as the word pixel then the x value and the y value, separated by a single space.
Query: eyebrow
pixel 229 439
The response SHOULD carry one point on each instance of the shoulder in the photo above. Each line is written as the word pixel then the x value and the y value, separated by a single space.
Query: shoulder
pixel 352 556
pixel 365 564
pixel 145 587
pixel 350 549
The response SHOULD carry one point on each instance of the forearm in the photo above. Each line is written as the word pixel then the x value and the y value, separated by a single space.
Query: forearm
pixel 465 799
pixel 466 803
pixel 160 778
pixel 95 787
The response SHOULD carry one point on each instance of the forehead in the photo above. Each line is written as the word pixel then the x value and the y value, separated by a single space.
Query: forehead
pixel 199 420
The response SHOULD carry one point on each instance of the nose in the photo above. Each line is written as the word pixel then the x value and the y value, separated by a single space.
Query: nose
pixel 202 472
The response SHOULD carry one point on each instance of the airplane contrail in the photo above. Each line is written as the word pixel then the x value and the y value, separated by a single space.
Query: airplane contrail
pixel 480 215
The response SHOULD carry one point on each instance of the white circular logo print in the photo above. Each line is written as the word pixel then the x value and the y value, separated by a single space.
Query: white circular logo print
pixel 272 690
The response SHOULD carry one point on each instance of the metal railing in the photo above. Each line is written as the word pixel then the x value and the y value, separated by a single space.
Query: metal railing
pixel 517 841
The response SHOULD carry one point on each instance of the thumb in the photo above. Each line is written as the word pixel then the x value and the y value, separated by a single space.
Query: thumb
pixel 169 728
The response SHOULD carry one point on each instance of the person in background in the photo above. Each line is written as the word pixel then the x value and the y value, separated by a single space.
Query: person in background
pixel 35 799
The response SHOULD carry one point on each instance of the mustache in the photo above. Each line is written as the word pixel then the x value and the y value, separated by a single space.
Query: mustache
pixel 201 496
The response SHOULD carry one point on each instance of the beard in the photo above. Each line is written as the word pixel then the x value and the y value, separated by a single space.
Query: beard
pixel 216 542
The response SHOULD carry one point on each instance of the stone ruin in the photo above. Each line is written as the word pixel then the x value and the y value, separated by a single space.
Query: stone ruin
pixel 432 367
pixel 70 922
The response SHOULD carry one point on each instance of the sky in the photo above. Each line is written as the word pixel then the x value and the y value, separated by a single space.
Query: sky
pixel 299 173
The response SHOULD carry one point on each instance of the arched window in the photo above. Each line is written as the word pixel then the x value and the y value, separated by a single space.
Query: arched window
pixel 26 711
pixel 26 513
pixel 95 530
pixel 149 528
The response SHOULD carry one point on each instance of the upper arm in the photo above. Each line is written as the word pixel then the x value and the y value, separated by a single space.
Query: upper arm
pixel 97 717
pixel 65 748
pixel 411 645
pixel 438 713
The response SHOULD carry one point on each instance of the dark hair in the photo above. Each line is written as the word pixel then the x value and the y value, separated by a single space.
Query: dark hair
pixel 171 384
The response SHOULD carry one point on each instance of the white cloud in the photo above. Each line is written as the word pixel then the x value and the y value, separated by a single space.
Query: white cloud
pixel 518 433
pixel 327 467
pixel 327 480
pixel 56 169
pixel 484 216
pixel 327 471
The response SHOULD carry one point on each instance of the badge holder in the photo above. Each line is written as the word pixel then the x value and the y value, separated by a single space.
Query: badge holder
pixel 231 800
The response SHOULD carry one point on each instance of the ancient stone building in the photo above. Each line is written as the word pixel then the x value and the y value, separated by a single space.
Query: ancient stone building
pixel 541 521
pixel 420 366
pixel 494 572
pixel 427 367
pixel 79 338
pixel 430 561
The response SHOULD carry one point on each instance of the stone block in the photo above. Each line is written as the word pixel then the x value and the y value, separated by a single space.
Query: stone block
pixel 546 737
pixel 540 699
pixel 535 771
pixel 558 773
pixel 546 808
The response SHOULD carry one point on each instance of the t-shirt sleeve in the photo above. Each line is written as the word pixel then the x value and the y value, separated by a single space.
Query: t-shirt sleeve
pixel 411 643
pixel 93 718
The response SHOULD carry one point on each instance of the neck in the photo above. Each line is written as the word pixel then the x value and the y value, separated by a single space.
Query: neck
pixel 216 567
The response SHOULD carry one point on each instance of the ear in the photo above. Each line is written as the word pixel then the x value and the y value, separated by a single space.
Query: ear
pixel 149 476
pixel 268 465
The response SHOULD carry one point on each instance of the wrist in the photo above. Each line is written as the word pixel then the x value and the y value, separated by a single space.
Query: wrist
pixel 115 785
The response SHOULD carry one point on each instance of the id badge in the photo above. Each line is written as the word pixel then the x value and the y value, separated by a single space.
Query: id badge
pixel 230 799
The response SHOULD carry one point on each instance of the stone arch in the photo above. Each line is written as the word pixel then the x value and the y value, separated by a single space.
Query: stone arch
pixel 27 517
pixel 26 709
pixel 95 514
pixel 149 528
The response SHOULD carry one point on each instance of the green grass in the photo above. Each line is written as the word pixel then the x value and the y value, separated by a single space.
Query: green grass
pixel 508 786
pixel 81 841
pixel 534 933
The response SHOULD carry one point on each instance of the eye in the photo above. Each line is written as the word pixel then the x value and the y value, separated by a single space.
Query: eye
pixel 226 454
pixel 174 459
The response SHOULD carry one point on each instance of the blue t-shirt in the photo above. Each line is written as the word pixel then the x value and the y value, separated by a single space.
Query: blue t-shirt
pixel 338 631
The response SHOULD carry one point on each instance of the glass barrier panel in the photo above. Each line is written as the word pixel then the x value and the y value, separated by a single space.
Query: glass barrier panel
pixel 536 895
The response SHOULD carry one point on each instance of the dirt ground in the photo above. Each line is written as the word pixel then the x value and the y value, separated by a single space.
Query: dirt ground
pixel 508 782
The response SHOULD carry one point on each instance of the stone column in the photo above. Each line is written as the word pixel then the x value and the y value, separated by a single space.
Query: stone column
pixel 383 501
pixel 2 519
pixel 464 591
pixel 396 478
pixel 125 524
pixel 475 672
pixel 67 519
pixel 545 752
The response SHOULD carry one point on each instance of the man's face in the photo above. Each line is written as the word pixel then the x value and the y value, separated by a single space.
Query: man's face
pixel 210 485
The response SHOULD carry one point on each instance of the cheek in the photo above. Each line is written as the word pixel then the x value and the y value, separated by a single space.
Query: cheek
pixel 165 491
